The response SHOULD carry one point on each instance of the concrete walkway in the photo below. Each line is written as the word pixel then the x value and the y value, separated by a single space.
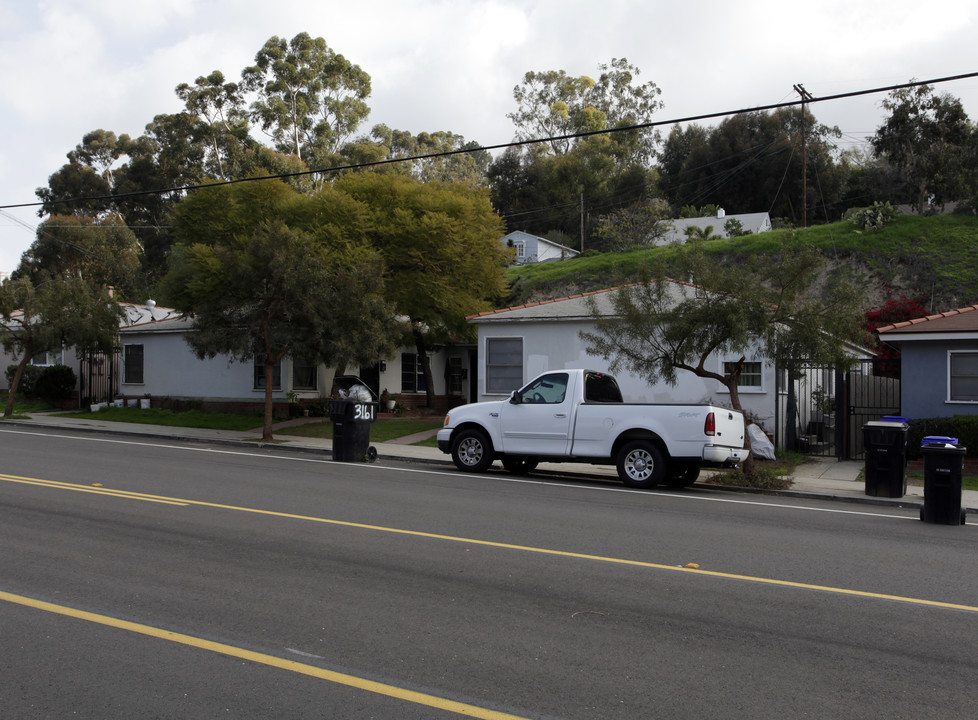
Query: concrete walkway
pixel 824 478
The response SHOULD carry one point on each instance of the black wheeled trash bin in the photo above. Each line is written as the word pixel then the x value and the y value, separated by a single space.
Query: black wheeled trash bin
pixel 885 442
pixel 351 429
pixel 943 466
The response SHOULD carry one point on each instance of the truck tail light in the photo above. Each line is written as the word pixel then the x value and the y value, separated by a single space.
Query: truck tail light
pixel 710 426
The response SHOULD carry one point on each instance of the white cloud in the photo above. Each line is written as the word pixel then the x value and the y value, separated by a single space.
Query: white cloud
pixel 71 67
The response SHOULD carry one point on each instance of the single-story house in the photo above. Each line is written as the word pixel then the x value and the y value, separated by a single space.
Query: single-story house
pixel 517 344
pixel 532 249
pixel 156 363
pixel 940 353
pixel 751 222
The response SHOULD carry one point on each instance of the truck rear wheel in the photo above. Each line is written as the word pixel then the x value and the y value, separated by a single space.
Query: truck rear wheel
pixel 471 450
pixel 640 464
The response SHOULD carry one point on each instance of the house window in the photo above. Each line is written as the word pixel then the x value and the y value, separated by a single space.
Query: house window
pixel 304 375
pixel 51 357
pixel 132 364
pixel 751 377
pixel 504 365
pixel 520 250
pixel 260 374
pixel 412 374
pixel 962 377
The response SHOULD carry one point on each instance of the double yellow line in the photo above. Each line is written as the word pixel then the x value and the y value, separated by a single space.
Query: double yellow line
pixel 361 683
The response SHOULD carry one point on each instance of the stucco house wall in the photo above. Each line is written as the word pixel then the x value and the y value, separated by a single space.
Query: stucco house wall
pixel 938 364
pixel 549 334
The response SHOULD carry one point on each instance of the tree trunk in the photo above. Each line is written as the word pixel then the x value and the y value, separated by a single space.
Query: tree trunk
pixel 14 382
pixel 733 384
pixel 419 344
pixel 266 431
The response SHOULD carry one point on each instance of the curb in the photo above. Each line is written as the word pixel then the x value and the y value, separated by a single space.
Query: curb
pixel 257 444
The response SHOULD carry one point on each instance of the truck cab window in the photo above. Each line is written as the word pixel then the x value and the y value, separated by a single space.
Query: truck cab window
pixel 549 389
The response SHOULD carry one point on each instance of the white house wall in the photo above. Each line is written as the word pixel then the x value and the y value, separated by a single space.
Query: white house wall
pixel 549 345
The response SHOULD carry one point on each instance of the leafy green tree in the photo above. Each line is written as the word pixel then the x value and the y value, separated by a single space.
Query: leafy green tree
pixel 103 252
pixel 643 223
pixel 55 314
pixel 752 162
pixel 925 137
pixel 268 273
pixel 775 305
pixel 310 98
pixel 442 253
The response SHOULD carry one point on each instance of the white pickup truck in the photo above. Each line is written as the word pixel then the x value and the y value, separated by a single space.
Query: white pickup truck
pixel 579 416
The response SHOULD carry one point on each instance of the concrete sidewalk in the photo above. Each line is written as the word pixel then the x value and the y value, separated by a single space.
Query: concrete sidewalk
pixel 823 478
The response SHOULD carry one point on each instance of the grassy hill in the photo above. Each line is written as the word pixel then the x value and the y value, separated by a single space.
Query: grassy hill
pixel 931 259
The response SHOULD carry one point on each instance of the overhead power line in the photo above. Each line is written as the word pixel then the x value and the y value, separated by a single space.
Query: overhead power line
pixel 504 146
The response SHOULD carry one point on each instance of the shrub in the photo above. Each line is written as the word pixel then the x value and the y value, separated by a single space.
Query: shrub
pixel 873 217
pixel 26 386
pixel 56 382
pixel 962 427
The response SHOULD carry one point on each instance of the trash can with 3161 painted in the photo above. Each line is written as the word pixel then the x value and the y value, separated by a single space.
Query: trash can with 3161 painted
pixel 943 467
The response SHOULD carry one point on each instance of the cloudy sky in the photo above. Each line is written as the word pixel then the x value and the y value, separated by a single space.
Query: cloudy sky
pixel 71 66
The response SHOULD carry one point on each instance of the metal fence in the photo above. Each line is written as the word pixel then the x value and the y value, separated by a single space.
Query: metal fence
pixel 821 410
pixel 98 377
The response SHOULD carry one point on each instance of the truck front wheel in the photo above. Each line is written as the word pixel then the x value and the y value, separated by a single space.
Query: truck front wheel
pixel 641 465
pixel 471 450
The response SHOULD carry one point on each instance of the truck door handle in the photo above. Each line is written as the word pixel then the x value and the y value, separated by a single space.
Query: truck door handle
pixel 560 415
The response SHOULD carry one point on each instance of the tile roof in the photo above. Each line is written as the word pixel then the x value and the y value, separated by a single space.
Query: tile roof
pixel 954 321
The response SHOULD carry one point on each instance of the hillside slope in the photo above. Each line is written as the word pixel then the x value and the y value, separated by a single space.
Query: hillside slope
pixel 933 260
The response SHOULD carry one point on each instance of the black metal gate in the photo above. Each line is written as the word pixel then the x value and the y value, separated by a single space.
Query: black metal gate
pixel 98 377
pixel 822 410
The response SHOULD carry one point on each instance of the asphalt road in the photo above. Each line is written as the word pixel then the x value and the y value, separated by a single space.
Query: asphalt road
pixel 162 580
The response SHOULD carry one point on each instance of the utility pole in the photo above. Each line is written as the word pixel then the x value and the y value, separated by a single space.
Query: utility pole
pixel 805 97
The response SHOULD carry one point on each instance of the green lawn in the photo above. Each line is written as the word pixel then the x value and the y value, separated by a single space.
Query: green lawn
pixel 381 431
pixel 156 416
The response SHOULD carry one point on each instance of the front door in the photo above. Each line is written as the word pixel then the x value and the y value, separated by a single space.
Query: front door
pixel 539 423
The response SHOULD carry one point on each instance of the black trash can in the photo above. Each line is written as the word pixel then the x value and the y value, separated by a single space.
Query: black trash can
pixel 943 467
pixel 351 429
pixel 885 442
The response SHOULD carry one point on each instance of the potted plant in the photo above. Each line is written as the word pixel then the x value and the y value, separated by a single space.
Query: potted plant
pixel 387 402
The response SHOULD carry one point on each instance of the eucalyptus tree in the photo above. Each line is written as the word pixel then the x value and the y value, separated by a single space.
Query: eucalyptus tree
pixel 219 107
pixel 310 98
pixel 930 140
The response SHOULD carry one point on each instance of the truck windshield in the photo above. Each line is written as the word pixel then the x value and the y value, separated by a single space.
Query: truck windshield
pixel 599 387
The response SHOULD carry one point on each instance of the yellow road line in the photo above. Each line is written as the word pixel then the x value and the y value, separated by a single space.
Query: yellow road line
pixel 418 698
pixel 547 551
pixel 91 489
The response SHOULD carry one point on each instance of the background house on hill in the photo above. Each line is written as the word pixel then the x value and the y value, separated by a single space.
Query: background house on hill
pixel 940 354
pixel 749 222
pixel 533 249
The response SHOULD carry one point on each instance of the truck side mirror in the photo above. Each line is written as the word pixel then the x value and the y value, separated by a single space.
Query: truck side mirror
pixel 514 398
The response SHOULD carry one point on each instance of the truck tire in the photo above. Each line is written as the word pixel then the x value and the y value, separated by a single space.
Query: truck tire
pixel 640 464
pixel 682 475
pixel 471 450
pixel 519 465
